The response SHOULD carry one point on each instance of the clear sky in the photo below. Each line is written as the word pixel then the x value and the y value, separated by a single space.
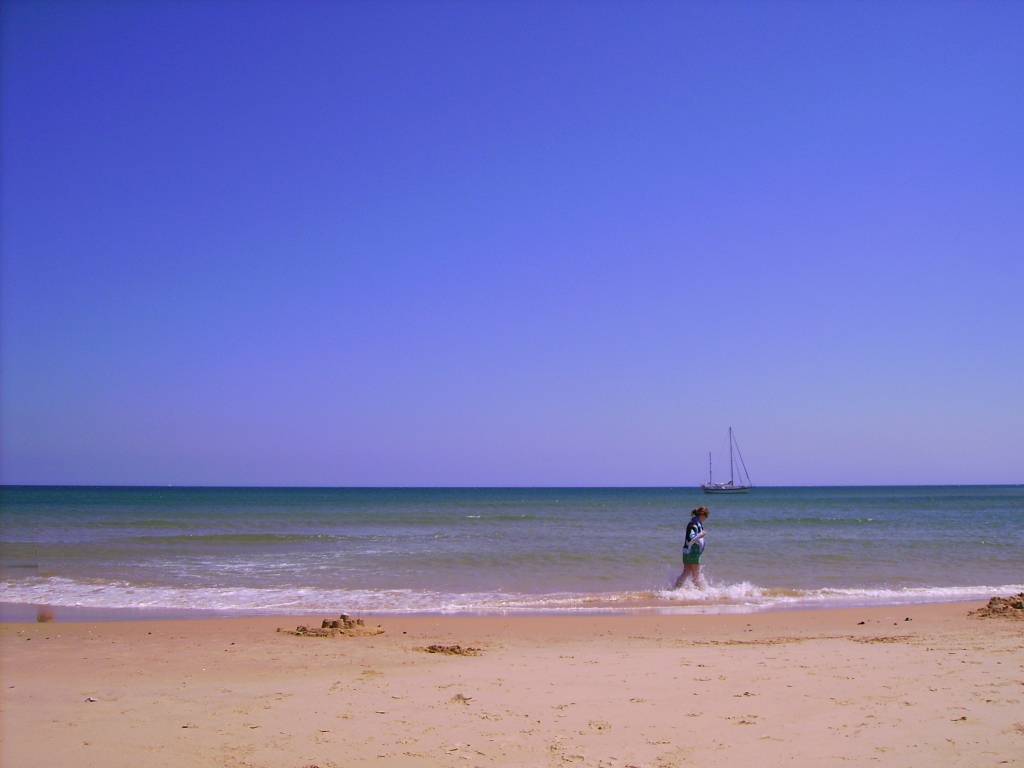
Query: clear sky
pixel 514 243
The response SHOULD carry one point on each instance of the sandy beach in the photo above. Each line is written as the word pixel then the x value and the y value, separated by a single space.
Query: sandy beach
pixel 918 685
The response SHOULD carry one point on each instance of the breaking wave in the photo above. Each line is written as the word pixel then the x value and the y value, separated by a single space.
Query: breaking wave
pixel 740 597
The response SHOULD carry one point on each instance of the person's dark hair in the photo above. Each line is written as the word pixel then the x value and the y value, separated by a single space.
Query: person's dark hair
pixel 702 512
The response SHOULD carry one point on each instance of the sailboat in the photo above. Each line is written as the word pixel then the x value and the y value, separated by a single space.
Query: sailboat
pixel 730 487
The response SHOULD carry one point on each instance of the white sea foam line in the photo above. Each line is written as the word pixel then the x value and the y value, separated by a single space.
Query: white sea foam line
pixel 733 592
pixel 731 598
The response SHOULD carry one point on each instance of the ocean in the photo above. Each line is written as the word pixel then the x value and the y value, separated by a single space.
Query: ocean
pixel 502 550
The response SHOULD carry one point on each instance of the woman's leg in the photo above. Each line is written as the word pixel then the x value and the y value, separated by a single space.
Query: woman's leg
pixel 682 577
pixel 688 572
pixel 697 578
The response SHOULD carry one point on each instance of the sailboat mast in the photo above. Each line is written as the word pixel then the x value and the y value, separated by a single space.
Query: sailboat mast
pixel 730 456
pixel 710 478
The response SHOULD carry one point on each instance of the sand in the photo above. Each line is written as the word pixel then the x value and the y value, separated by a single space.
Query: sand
pixel 816 688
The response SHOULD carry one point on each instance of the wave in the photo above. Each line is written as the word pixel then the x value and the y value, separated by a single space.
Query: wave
pixel 758 597
pixel 130 523
pixel 240 538
pixel 741 597
pixel 806 521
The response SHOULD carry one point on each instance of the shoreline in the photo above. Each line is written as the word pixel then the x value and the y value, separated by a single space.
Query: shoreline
pixel 775 616
pixel 26 613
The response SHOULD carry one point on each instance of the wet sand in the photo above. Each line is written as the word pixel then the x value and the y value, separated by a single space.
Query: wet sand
pixel 827 687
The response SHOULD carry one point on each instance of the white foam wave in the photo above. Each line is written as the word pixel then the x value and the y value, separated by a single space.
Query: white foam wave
pixel 716 598
pixel 750 596
pixel 68 592
pixel 742 592
pixel 905 595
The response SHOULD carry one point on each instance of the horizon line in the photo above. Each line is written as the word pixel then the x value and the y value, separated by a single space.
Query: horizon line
pixel 187 486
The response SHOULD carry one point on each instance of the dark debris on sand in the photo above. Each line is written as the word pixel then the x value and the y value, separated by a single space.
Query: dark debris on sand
pixel 1003 607
pixel 453 650
pixel 343 626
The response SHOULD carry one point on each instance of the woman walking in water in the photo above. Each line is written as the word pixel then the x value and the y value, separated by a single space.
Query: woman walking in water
pixel 693 548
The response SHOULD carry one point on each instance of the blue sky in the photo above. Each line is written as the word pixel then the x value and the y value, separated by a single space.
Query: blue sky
pixel 510 243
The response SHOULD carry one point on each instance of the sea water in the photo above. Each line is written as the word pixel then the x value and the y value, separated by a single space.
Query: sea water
pixel 503 550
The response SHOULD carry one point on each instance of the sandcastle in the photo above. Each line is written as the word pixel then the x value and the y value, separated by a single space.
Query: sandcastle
pixel 1003 607
pixel 343 626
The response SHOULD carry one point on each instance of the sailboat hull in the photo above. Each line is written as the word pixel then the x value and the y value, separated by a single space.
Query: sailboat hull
pixel 725 489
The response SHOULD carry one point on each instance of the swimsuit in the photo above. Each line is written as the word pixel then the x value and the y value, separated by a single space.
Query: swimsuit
pixel 693 547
